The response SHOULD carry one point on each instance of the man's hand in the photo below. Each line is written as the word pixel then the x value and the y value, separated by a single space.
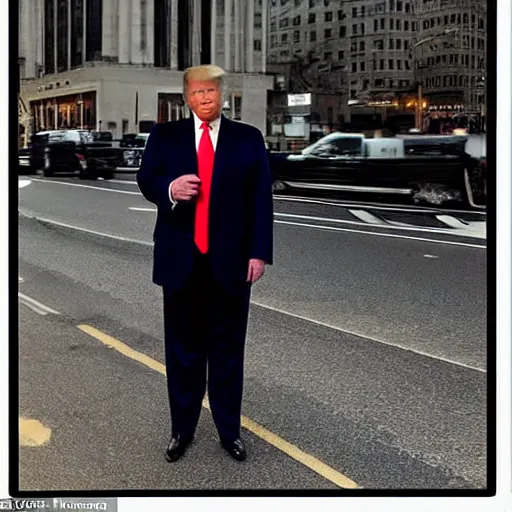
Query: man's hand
pixel 185 187
pixel 256 270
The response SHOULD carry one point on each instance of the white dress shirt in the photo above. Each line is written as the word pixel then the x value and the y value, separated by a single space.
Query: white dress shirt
pixel 214 135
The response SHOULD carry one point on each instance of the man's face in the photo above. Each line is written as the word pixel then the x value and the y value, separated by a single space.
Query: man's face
pixel 204 98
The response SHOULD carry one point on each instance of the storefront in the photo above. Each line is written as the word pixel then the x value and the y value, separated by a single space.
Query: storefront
pixel 65 112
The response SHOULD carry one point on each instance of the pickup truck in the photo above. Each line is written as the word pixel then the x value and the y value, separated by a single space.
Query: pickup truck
pixel 425 169
pixel 69 151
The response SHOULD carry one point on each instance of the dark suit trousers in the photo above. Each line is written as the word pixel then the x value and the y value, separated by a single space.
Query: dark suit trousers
pixel 205 330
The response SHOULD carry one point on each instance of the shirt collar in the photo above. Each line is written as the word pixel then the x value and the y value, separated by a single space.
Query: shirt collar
pixel 197 122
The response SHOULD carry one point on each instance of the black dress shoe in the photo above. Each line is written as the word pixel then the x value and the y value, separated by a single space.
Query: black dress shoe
pixel 177 447
pixel 235 448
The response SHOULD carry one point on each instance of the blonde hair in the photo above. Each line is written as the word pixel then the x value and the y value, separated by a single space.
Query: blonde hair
pixel 205 73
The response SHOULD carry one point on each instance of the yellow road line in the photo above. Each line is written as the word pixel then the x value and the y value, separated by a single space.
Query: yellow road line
pixel 289 449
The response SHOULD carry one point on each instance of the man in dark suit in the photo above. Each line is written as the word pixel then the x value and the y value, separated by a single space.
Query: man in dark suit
pixel 209 177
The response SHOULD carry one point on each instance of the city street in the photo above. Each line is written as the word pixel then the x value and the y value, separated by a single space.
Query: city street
pixel 365 358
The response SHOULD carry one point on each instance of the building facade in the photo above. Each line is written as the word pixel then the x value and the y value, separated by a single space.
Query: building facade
pixel 117 65
pixel 451 60
pixel 372 55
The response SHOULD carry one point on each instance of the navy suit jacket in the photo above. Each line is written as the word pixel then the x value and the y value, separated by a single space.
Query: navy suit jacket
pixel 241 209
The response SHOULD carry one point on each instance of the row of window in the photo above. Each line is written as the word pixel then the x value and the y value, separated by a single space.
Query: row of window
pixel 357 28
pixel 398 6
pixel 455 59
pixel 454 19
pixel 451 81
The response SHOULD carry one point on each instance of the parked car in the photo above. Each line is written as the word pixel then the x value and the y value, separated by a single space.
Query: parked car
pixel 69 151
pixel 427 169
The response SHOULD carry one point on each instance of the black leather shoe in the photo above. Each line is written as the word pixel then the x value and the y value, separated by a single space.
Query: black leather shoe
pixel 176 448
pixel 235 448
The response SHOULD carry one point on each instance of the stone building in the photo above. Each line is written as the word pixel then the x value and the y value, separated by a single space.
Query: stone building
pixel 451 58
pixel 117 65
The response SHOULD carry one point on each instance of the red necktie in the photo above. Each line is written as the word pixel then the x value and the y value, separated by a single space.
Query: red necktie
pixel 205 157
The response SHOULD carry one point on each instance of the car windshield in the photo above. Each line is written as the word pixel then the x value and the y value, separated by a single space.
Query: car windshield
pixel 335 144
pixel 56 136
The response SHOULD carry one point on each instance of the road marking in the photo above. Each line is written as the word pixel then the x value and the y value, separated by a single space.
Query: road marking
pixel 452 221
pixel 328 228
pixel 366 337
pixel 86 186
pixel 135 208
pixel 368 217
pixel 371 206
pixel 388 235
pixel 431 256
pixel 23 183
pixel 348 188
pixel 33 433
pixel 36 306
pixel 85 230
pixel 124 182
pixel 289 449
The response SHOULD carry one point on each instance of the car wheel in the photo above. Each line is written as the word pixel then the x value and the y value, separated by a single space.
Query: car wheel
pixel 108 175
pixel 83 174
pixel 48 173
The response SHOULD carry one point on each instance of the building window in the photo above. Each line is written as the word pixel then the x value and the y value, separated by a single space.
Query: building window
pixel 406 25
pixel 284 38
pixel 406 44
pixel 379 82
pixel 407 7
pixel 273 26
pixel 453 19
pixel 343 31
pixel 354 12
pixel 399 6
pixel 362 46
pixel 312 3
pixel 378 44
pixel 353 46
pixel 407 65
pixel 381 64
pixel 283 23
pixel 375 25
pixel 311 17
pixel 391 44
pixel 340 15
pixel 258 20
pixel 94 30
pixel 77 29
pixel 398 64
pixel 398 44
pixel 296 36
pixel 391 24
pixel 398 24
pixel 391 64
pixel 362 28
pixel 328 16
pixel 383 23
pixel 354 30
pixel 425 24
pixel 312 36
pixel 328 56
pixel 341 55
pixel 362 66
pixel 328 33
pixel 296 20
pixel 257 45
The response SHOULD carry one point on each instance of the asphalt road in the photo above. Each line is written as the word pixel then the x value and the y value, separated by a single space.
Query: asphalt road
pixel 366 347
